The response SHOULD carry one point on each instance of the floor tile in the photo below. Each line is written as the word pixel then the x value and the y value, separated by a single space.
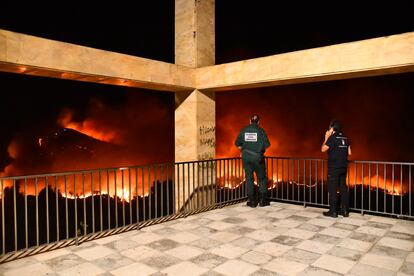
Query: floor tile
pixel 257 258
pixel 236 268
pixel 383 262
pixel 403 228
pixel 364 237
pixel 245 242
pixel 133 269
pixel 335 264
pixel 300 234
pixel 335 232
pixel 184 252
pixel 410 257
pixel 95 252
pixel 184 237
pixel 161 261
pixel 345 226
pixel 271 248
pixel 184 268
pixel 146 237
pixel 64 262
pixel 163 245
pixel 32 269
pixel 407 268
pixel 358 245
pixel 82 269
pixel 261 235
pixel 228 251
pixel 345 253
pixel 396 243
pixel 326 239
pixel 368 270
pixel 401 236
pixel 208 260
pixel 301 256
pixel 324 222
pixel 376 224
pixel 316 271
pixel 371 231
pixel 112 262
pixel 220 225
pixel 388 251
pixel 286 240
pixel 391 221
pixel 224 236
pixel 283 266
pixel 140 252
pixel 52 254
pixel 353 221
pixel 122 244
pixel 206 243
pixel 315 246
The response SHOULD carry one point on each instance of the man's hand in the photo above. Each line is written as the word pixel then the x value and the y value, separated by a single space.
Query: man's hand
pixel 328 134
pixel 240 148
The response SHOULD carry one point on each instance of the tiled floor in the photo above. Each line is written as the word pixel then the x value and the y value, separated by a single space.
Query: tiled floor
pixel 281 239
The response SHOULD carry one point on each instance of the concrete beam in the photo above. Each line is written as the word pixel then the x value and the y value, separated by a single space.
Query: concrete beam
pixel 25 54
pixel 378 56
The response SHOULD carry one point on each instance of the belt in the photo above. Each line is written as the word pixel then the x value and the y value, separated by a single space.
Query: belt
pixel 252 152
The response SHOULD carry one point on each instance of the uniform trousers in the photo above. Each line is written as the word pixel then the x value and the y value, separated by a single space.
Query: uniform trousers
pixel 337 178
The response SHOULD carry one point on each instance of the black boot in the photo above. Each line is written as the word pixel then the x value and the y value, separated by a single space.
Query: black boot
pixel 344 212
pixel 251 202
pixel 331 213
pixel 263 200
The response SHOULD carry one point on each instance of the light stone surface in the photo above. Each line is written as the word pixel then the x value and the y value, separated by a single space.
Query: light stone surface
pixel 283 266
pixel 25 54
pixel 194 33
pixel 335 264
pixel 369 57
pixel 383 262
pixel 195 139
pixel 237 249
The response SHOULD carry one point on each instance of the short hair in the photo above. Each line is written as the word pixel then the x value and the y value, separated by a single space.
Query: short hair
pixel 254 119
pixel 336 125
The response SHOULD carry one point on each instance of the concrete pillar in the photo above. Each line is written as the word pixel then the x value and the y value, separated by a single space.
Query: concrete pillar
pixel 194 33
pixel 195 111
pixel 195 119
pixel 195 139
pixel 195 126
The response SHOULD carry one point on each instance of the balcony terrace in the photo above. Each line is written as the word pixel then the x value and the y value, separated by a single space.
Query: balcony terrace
pixel 280 239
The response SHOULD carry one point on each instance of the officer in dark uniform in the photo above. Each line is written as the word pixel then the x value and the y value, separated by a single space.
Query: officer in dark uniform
pixel 252 142
pixel 338 147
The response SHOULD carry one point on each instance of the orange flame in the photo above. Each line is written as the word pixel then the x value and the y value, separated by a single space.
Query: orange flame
pixel 88 127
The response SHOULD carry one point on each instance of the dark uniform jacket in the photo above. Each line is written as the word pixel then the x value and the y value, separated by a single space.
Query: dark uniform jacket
pixel 338 150
pixel 253 139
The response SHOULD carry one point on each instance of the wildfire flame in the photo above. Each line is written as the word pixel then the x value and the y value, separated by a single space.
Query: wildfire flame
pixel 88 127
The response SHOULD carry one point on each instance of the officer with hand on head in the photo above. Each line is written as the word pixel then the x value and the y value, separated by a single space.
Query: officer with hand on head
pixel 252 141
pixel 338 147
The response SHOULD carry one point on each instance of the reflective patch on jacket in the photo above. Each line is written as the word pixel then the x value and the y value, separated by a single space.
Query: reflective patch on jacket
pixel 250 137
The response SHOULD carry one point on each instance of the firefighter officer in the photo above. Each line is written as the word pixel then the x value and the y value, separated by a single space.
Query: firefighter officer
pixel 338 147
pixel 252 142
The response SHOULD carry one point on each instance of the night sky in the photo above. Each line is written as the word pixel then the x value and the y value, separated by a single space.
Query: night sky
pixel 31 106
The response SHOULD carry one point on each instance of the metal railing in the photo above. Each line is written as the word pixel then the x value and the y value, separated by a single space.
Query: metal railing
pixel 375 187
pixel 49 211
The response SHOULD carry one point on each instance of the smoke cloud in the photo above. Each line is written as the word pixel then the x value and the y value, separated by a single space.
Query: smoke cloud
pixel 376 114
